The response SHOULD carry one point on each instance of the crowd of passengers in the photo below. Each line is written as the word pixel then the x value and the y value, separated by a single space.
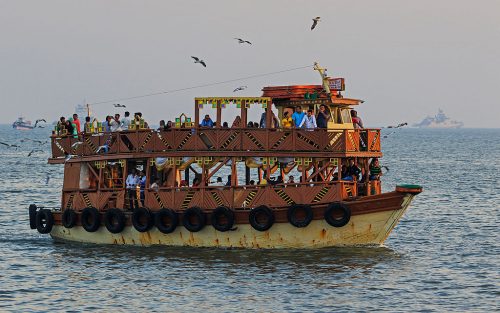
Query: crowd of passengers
pixel 299 119
pixel 350 172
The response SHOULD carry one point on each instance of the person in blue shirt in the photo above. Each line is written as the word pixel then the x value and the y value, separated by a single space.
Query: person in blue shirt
pixel 207 122
pixel 298 116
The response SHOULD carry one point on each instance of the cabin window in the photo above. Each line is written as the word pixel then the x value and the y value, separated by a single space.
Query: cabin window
pixel 113 175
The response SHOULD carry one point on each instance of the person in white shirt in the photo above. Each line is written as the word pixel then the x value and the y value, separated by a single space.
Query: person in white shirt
pixel 309 121
pixel 125 122
pixel 132 181
pixel 116 123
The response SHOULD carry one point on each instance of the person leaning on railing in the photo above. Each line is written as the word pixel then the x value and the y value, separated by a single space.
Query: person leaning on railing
pixel 287 121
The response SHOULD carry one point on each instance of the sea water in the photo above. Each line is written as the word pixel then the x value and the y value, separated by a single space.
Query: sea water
pixel 443 256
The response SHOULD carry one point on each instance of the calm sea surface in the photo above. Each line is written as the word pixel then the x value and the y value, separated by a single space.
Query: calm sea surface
pixel 443 256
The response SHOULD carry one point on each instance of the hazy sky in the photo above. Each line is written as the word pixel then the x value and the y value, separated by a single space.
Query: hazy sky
pixel 406 59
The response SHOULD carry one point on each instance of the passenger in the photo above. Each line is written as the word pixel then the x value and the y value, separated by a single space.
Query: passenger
pixel 252 182
pixel 162 125
pixel 309 121
pixel 76 121
pixel 225 125
pixel 107 124
pixel 142 185
pixel 291 180
pixel 287 121
pixel 219 182
pixel 250 124
pixel 88 125
pixel 115 123
pixel 228 183
pixel 131 183
pixel 263 181
pixel 183 183
pixel 322 117
pixel 298 116
pixel 356 121
pixel 61 125
pixel 196 182
pixel 169 125
pixel 274 120
pixel 352 171
pixel 375 169
pixel 70 127
pixel 236 122
pixel 125 122
pixel 207 122
pixel 155 185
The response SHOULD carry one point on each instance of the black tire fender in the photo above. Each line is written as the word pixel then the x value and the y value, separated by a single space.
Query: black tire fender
pixel 114 220
pixel 261 218
pixel 32 214
pixel 196 214
pixel 68 218
pixel 142 219
pixel 170 216
pixel 219 213
pixel 44 221
pixel 90 219
pixel 299 222
pixel 335 207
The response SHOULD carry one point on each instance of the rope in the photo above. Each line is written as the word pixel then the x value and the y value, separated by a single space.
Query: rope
pixel 200 86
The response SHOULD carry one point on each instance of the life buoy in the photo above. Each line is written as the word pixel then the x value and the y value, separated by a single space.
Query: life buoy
pixel 300 215
pixel 69 218
pixel 114 220
pixel 332 217
pixel 194 219
pixel 142 219
pixel 91 220
pixel 32 214
pixel 44 221
pixel 222 219
pixel 166 220
pixel 261 218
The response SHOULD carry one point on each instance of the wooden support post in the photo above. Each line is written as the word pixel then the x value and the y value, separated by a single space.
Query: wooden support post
pixel 186 176
pixel 196 115
pixel 269 115
pixel 234 174
pixel 247 175
pixel 243 115
pixel 219 114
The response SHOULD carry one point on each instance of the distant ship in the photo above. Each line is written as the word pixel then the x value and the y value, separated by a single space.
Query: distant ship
pixel 439 121
pixel 22 124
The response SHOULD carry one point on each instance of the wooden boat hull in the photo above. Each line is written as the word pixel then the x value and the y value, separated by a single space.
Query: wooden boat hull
pixel 370 227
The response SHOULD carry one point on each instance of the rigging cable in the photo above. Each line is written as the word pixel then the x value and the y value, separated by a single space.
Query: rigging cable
pixel 200 86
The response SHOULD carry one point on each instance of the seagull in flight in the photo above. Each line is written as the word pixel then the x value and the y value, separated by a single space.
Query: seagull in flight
pixel 315 22
pixel 243 41
pixel 117 105
pixel 240 88
pixel 33 151
pixel 9 145
pixel 76 144
pixel 197 60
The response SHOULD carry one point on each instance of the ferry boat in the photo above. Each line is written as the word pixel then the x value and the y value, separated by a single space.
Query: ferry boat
pixel 177 203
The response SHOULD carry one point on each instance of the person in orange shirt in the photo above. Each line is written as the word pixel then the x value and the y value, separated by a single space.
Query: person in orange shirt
pixel 76 121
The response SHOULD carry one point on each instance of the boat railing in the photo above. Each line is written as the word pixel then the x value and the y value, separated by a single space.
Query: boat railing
pixel 217 139
pixel 239 197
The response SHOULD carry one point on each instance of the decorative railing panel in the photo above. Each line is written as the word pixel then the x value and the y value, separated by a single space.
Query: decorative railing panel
pixel 224 139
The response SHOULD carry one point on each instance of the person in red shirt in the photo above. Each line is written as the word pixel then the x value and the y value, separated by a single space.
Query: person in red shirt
pixel 76 121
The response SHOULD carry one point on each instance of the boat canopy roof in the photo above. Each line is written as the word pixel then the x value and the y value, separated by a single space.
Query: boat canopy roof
pixel 306 95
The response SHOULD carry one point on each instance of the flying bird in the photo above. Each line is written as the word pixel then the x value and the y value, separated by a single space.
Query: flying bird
pixel 9 145
pixel 33 151
pixel 39 120
pixel 243 41
pixel 315 22
pixel 240 88
pixel 76 144
pixel 117 105
pixel 197 60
